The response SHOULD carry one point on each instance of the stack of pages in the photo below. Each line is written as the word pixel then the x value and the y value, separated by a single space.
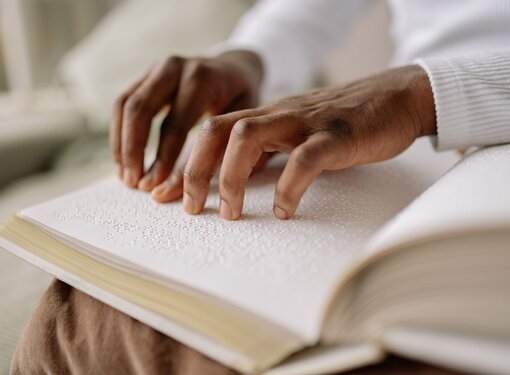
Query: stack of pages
pixel 396 256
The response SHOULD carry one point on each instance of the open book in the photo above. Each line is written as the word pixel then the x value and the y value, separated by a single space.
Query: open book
pixel 389 257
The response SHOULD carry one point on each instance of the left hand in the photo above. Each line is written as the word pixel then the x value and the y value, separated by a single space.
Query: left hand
pixel 326 129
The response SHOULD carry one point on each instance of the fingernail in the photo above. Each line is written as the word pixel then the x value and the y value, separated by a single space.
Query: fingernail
pixel 225 210
pixel 129 178
pixel 188 204
pixel 280 213
pixel 146 183
pixel 159 190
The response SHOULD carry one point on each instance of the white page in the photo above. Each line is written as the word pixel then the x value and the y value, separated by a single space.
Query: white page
pixel 474 195
pixel 477 354
pixel 282 271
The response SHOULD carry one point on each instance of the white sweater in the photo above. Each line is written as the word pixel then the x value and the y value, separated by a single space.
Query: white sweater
pixel 463 45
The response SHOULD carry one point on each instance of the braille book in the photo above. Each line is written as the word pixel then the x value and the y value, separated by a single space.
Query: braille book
pixel 410 256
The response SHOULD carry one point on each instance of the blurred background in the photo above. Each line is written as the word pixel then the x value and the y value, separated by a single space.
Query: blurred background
pixel 63 63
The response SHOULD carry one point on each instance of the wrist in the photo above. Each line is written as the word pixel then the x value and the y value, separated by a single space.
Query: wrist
pixel 248 62
pixel 423 99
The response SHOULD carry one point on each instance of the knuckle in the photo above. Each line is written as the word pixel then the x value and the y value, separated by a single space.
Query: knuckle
pixel 213 125
pixel 229 185
pixel 120 101
pixel 173 61
pixel 307 157
pixel 197 70
pixel 342 128
pixel 194 178
pixel 245 129
pixel 137 105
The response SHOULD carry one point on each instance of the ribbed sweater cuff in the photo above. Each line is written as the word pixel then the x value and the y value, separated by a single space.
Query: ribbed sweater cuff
pixel 472 99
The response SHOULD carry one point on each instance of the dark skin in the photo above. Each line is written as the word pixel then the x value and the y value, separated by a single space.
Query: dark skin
pixel 189 88
pixel 330 128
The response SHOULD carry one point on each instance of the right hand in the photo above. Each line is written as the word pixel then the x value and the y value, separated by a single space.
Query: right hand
pixel 190 88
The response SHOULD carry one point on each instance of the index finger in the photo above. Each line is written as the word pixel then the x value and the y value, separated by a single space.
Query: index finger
pixel 205 156
pixel 249 138
pixel 194 98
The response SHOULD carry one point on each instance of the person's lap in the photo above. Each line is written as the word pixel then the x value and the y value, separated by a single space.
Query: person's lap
pixel 71 332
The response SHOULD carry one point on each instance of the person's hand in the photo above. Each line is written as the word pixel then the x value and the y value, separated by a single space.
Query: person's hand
pixel 326 129
pixel 188 88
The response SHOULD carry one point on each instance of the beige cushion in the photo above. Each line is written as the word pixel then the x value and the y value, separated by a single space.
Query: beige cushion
pixel 135 35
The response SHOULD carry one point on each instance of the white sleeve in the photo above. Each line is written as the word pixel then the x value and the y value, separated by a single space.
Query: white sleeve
pixel 292 37
pixel 472 98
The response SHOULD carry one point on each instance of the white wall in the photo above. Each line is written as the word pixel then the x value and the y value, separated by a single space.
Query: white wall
pixel 35 33
pixel 367 50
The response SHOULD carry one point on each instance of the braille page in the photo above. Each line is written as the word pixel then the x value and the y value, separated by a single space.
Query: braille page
pixel 282 271
pixel 474 195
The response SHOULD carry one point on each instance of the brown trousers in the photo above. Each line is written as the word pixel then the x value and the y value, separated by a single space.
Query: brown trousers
pixel 72 333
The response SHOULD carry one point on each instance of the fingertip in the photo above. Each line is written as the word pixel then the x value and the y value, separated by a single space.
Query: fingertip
pixel 280 213
pixel 146 183
pixel 159 192
pixel 189 205
pixel 129 178
pixel 226 211
pixel 165 193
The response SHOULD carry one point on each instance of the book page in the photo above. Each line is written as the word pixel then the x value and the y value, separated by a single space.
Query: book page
pixel 281 271
pixel 472 196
